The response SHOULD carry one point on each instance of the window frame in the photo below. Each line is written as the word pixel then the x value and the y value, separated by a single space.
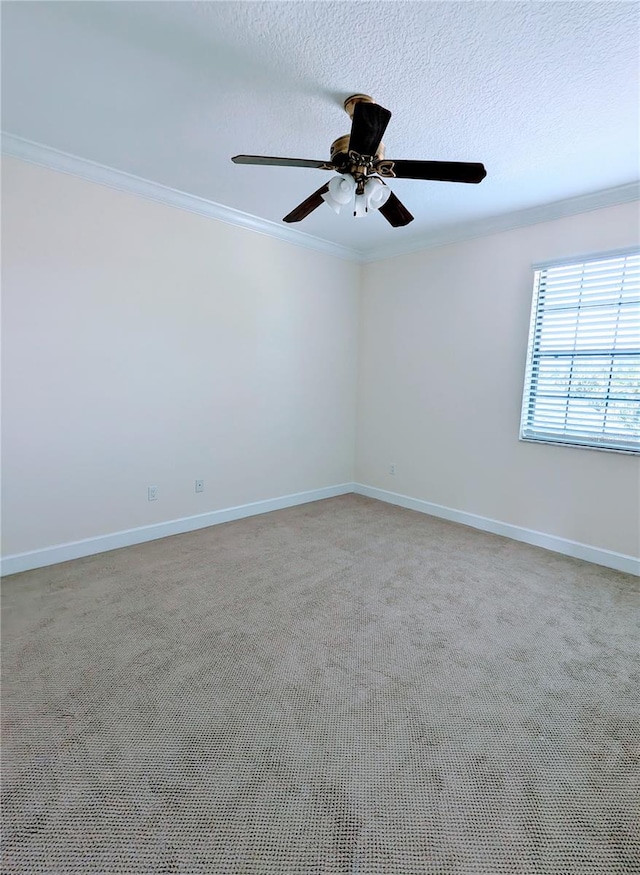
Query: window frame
pixel 528 393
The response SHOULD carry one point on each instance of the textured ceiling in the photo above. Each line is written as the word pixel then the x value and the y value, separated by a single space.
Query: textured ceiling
pixel 545 94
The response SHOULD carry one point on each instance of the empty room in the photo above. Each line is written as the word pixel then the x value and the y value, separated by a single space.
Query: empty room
pixel 320 438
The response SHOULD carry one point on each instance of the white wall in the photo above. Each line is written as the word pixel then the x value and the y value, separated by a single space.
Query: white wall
pixel 144 345
pixel 443 339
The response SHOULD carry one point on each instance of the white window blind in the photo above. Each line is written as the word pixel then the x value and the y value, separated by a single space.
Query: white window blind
pixel 582 383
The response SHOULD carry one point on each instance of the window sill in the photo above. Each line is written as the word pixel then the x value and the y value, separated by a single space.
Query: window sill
pixel 579 446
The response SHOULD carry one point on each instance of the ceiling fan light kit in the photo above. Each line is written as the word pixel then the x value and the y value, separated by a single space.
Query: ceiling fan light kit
pixel 342 194
pixel 359 159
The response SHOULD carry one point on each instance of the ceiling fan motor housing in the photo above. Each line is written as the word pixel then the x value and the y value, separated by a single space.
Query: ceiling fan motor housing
pixel 340 151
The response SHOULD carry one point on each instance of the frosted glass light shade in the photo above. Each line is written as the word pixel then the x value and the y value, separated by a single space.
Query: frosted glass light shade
pixel 341 188
pixel 340 192
pixel 329 199
pixel 377 193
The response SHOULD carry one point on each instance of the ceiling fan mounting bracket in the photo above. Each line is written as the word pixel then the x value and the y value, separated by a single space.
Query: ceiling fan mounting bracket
pixel 350 102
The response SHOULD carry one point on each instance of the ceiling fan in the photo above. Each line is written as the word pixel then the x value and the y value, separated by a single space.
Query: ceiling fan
pixel 359 159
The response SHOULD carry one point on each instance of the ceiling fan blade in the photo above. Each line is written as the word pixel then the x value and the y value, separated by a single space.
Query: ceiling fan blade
pixel 282 162
pixel 367 128
pixel 395 212
pixel 302 210
pixel 445 171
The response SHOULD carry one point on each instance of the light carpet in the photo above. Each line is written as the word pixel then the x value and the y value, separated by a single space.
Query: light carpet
pixel 343 687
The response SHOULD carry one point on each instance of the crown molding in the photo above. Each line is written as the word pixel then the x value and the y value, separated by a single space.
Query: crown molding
pixel 45 156
pixel 583 203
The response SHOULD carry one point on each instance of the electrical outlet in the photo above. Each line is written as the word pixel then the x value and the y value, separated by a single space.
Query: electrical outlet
pixel 392 469
pixel 152 493
pixel 199 485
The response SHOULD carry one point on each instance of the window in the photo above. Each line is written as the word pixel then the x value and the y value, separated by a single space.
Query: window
pixel 582 383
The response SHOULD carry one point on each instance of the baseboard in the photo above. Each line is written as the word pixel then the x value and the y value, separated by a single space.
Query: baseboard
pixel 114 541
pixel 608 558
pixel 103 543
